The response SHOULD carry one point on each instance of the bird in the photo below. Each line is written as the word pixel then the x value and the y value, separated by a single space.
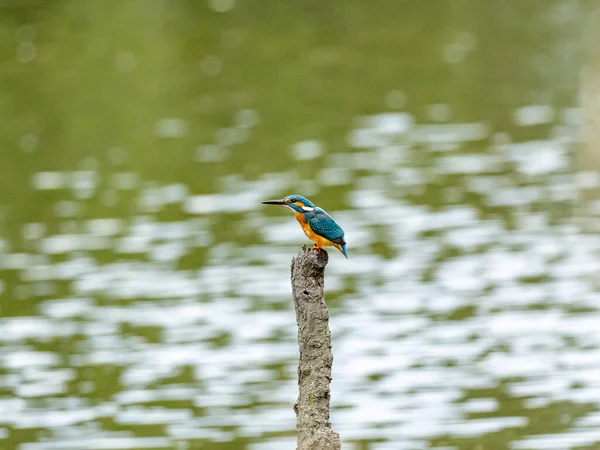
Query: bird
pixel 317 225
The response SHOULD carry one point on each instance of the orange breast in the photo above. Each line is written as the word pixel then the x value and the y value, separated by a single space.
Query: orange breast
pixel 320 241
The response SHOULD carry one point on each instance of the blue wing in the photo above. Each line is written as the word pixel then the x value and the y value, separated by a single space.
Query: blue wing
pixel 322 224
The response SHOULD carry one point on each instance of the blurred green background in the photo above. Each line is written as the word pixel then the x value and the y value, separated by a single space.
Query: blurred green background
pixel 144 289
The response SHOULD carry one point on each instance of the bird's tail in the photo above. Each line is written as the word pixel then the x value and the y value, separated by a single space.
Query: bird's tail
pixel 343 248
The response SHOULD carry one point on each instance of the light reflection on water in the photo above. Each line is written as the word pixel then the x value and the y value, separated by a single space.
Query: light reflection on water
pixel 467 305
pixel 145 291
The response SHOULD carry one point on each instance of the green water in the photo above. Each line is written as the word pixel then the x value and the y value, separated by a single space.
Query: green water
pixel 173 119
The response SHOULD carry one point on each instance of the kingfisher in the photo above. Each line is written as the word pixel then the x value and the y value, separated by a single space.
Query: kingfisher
pixel 317 225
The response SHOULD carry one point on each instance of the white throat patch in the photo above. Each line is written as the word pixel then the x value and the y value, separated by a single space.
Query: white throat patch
pixel 307 208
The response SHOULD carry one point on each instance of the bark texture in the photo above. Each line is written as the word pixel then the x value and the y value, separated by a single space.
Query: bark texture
pixel 314 341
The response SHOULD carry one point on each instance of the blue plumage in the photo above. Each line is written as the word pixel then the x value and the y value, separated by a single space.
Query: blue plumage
pixel 298 198
pixel 344 250
pixel 317 225
pixel 322 224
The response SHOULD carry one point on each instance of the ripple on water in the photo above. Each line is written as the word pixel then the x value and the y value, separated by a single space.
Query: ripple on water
pixel 461 303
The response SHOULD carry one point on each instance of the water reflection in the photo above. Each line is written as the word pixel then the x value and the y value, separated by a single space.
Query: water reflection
pixel 145 293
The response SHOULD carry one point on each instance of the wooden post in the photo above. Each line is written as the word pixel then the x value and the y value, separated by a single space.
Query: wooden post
pixel 314 341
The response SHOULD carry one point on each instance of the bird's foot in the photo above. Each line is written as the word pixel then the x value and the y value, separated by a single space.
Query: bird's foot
pixel 316 248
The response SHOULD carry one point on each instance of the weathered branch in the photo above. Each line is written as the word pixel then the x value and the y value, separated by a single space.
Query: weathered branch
pixel 314 340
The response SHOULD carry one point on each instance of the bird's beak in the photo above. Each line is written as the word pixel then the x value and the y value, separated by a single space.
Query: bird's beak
pixel 274 202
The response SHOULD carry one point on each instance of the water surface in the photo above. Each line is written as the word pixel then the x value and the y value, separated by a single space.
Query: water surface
pixel 144 289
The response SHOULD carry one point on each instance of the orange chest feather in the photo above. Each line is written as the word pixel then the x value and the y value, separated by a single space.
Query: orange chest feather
pixel 319 240
pixel 305 226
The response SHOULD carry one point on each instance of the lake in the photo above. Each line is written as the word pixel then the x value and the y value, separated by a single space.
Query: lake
pixel 144 291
